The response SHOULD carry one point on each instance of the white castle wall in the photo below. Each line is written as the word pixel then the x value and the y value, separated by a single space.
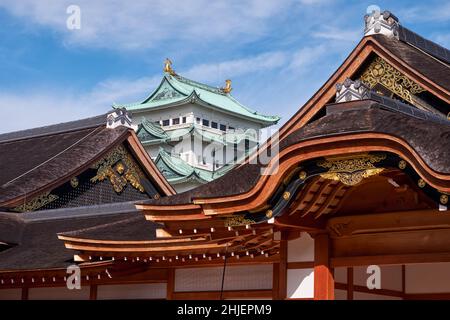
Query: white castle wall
pixel 132 291
pixel 300 282
pixel 252 277
pixel 58 293
pixel 427 278
pixel 10 294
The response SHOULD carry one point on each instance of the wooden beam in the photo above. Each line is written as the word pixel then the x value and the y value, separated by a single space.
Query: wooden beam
pixel 282 272
pixel 350 286
pixel 390 259
pixel 404 279
pixel 170 283
pixel 400 243
pixel 323 275
pixel 307 223
pixel 276 281
pixel 93 292
pixel 300 265
pixel 25 292
pixel 388 222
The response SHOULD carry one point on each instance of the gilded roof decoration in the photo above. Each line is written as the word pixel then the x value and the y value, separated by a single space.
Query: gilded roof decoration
pixel 351 171
pixel 381 72
pixel 120 169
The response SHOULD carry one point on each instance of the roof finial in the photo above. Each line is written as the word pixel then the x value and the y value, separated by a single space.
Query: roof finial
pixel 120 117
pixel 351 91
pixel 168 66
pixel 377 22
pixel 227 88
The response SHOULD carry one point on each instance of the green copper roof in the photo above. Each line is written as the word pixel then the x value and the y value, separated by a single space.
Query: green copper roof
pixel 177 90
pixel 151 133
pixel 176 170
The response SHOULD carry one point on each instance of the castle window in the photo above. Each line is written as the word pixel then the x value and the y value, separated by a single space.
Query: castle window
pixel 175 121
pixel 183 120
pixel 205 122
pixel 214 125
pixel 230 128
pixel 198 120
pixel 166 122
pixel 223 127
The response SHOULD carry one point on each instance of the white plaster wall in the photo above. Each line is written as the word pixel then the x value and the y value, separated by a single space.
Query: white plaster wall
pixel 300 283
pixel 10 294
pixel 370 296
pixel 427 278
pixel 340 275
pixel 132 291
pixel 252 277
pixel 301 249
pixel 59 293
pixel 192 111
pixel 340 294
pixel 391 277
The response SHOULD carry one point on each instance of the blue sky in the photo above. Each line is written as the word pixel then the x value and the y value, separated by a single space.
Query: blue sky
pixel 277 52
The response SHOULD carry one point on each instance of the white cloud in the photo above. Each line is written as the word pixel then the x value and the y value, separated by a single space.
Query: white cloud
pixel 308 56
pixel 212 72
pixel 336 33
pixel 142 24
pixel 428 13
pixel 43 108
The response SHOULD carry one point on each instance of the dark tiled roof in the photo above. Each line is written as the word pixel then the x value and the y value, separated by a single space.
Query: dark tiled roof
pixel 39 247
pixel 430 67
pixel 32 162
pixel 55 129
pixel 134 228
pixel 426 45
pixel 358 116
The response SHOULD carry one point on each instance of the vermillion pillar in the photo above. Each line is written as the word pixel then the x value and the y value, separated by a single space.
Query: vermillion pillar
pixel 323 274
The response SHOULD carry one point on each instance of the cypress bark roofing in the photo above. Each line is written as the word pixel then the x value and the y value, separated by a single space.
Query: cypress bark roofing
pixel 429 66
pixel 32 159
pixel 34 235
pixel 38 246
pixel 353 117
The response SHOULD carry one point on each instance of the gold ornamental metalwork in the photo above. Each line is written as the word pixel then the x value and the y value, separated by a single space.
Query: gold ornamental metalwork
pixel 421 183
pixel 402 164
pixel 351 171
pixel 443 199
pixel 269 214
pixel 168 67
pixel 286 195
pixel 74 182
pixel 381 72
pixel 37 202
pixel 227 88
pixel 120 169
pixel 302 175
pixel 238 220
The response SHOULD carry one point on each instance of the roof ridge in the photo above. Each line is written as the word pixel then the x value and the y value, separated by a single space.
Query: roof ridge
pixel 199 84
pixel 47 130
pixel 430 47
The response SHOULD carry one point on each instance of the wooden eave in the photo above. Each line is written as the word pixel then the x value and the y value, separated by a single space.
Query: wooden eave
pixel 290 157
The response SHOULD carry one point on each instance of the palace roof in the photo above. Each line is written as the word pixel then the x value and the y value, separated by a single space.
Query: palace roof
pixel 42 158
pixel 175 90
pixel 176 170
pixel 152 133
